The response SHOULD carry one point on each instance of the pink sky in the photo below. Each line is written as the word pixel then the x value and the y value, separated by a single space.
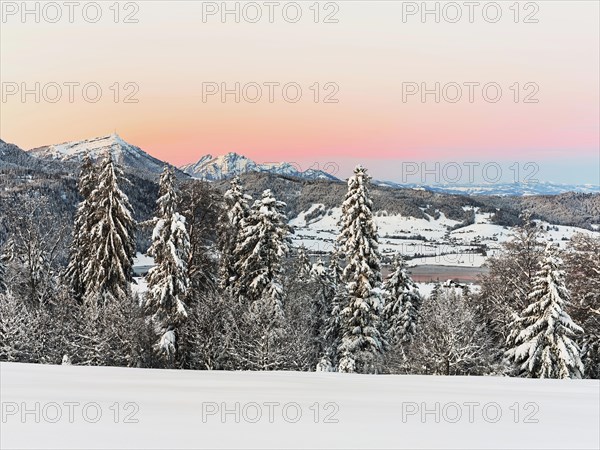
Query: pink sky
pixel 368 54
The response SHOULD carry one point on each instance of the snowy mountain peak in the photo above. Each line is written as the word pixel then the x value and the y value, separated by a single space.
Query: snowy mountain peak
pixel 232 164
pixel 123 152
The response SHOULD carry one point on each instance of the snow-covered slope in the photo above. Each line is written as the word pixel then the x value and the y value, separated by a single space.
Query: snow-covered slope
pixel 124 153
pixel 149 408
pixel 227 166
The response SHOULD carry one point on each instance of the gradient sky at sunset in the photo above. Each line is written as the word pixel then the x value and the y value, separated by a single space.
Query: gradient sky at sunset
pixel 368 54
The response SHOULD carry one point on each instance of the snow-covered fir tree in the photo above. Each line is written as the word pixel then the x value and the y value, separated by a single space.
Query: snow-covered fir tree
pixel 302 263
pixel 201 206
pixel 333 333
pixel 80 245
pixel 14 328
pixel 168 280
pixel 321 311
pixel 543 341
pixel 583 282
pixel 205 333
pixel 335 269
pixel 361 341
pixel 505 289
pixel 451 339
pixel 236 211
pixel 402 303
pixel 263 245
pixel 4 258
pixel 265 326
pixel 525 250
pixel 108 271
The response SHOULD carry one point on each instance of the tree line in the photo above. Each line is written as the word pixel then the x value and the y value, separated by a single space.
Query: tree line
pixel 229 292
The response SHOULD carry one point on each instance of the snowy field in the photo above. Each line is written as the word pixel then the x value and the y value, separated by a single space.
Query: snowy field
pixel 186 409
pixel 431 241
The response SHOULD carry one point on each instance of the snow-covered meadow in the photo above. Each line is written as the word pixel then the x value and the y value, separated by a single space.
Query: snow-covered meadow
pixel 197 409
pixel 429 241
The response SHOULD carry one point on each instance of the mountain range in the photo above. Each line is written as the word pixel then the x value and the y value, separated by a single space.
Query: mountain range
pixel 209 168
pixel 52 174
pixel 65 156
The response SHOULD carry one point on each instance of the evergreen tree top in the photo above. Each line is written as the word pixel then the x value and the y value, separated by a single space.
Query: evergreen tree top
pixel 167 195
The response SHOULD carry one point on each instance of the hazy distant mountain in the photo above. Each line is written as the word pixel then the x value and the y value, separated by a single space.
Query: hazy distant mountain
pixel 227 166
pixel 124 153
pixel 501 189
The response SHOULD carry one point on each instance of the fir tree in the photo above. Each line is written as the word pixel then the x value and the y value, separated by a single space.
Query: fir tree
pixel 265 242
pixel 505 289
pixel 4 258
pixel 201 206
pixel 303 266
pixel 80 249
pixel 333 331
pixel 168 281
pixel 108 270
pixel 583 282
pixel 335 269
pixel 450 339
pixel 265 323
pixel 263 245
pixel 543 343
pixel 320 312
pixel 15 329
pixel 402 303
pixel 361 339
pixel 236 211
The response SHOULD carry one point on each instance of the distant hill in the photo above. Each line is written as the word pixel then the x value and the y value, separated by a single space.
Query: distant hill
pixel 500 189
pixel 576 209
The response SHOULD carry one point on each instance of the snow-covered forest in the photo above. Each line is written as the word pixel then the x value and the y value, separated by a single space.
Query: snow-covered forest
pixel 229 291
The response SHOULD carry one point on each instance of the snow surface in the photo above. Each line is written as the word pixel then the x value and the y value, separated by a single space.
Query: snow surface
pixel 142 264
pixel 143 260
pixel 139 285
pixel 368 412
